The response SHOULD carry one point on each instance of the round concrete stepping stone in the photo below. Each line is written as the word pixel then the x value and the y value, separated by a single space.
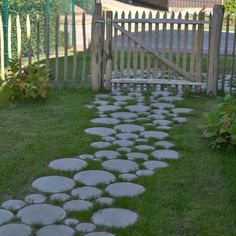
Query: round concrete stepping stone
pixel 160 112
pixel 86 192
pixel 102 96
pixel 77 205
pixel 108 154
pixel 99 234
pixel 137 155
pixel 126 136
pixel 15 230
pixel 35 198
pixel 100 131
pixel 162 122
pixel 164 127
pixel 101 102
pixel 141 140
pixel 144 147
pixel 173 115
pixel 13 205
pixel 170 99
pixel 124 149
pixel 60 197
pixel 108 108
pixel 53 184
pixel 154 134
pixel 144 173
pixel 114 217
pixel 123 143
pixel 142 119
pixel 120 103
pixel 124 115
pixel 152 165
pixel 123 166
pixel 122 98
pixel 180 119
pixel 100 145
pixel 108 139
pixel 71 221
pixel 105 121
pixel 124 189
pixel 105 200
pixel 162 105
pixel 130 121
pixel 165 154
pixel 52 230
pixel 157 117
pixel 5 216
pixel 86 157
pixel 138 108
pixel 165 144
pixel 42 214
pixel 129 128
pixel 94 177
pixel 85 227
pixel 68 164
pixel 182 110
pixel 128 177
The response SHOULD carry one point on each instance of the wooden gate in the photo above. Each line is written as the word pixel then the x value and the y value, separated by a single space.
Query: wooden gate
pixel 150 50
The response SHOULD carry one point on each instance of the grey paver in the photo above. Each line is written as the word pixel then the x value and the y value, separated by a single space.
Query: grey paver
pixel 5 216
pixel 77 205
pixel 85 227
pixel 15 230
pixel 165 154
pixel 108 154
pixel 35 198
pixel 86 192
pixel 106 121
pixel 60 197
pixel 114 217
pixel 152 165
pixel 13 204
pixel 53 230
pixel 124 115
pixel 129 128
pixel 100 131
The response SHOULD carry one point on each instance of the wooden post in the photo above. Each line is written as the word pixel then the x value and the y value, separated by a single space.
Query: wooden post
pixel 9 37
pixel 18 30
pixel 109 17
pixel 2 49
pixel 28 35
pixel 216 29
pixel 97 49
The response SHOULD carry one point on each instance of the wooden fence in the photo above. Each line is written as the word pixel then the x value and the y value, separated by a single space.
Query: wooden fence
pixel 53 45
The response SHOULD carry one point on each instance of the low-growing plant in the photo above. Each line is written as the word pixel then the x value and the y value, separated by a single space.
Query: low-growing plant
pixel 220 125
pixel 26 82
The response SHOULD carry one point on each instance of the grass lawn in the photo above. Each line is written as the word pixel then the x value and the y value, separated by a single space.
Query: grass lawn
pixel 196 195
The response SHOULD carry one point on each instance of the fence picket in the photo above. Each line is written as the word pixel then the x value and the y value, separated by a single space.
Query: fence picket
pixel 233 61
pixel 163 46
pixel 115 48
pixel 56 47
pixel 37 39
pixel 2 49
pixel 156 45
pixel 47 40
pixel 74 49
pixel 193 50
pixel 135 62
pixel 65 47
pixel 171 43
pixel 185 51
pixel 142 50
pixel 9 37
pixel 28 35
pixel 85 48
pixel 200 40
pixel 149 58
pixel 18 29
pixel 129 48
pixel 122 49
pixel 178 42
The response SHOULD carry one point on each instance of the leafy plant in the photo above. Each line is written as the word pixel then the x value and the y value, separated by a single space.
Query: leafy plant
pixel 230 7
pixel 220 125
pixel 26 82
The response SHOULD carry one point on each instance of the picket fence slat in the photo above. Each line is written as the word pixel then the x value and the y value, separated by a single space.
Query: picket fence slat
pixel 9 37
pixel 2 49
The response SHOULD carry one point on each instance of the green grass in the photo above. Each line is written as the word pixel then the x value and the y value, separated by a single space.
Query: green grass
pixel 194 196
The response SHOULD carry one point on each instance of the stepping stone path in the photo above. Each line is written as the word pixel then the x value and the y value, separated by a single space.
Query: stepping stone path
pixel 132 143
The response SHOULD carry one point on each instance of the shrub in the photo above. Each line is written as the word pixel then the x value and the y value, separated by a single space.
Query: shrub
pixel 25 82
pixel 220 125
pixel 230 7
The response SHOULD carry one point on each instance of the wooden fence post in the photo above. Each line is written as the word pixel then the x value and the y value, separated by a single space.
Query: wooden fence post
pixel 215 40
pixel 109 17
pixel 97 49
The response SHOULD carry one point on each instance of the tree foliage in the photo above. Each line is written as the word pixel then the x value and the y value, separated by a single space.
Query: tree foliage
pixel 230 6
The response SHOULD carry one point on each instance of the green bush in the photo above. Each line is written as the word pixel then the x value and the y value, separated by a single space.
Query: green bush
pixel 26 82
pixel 230 7
pixel 220 125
